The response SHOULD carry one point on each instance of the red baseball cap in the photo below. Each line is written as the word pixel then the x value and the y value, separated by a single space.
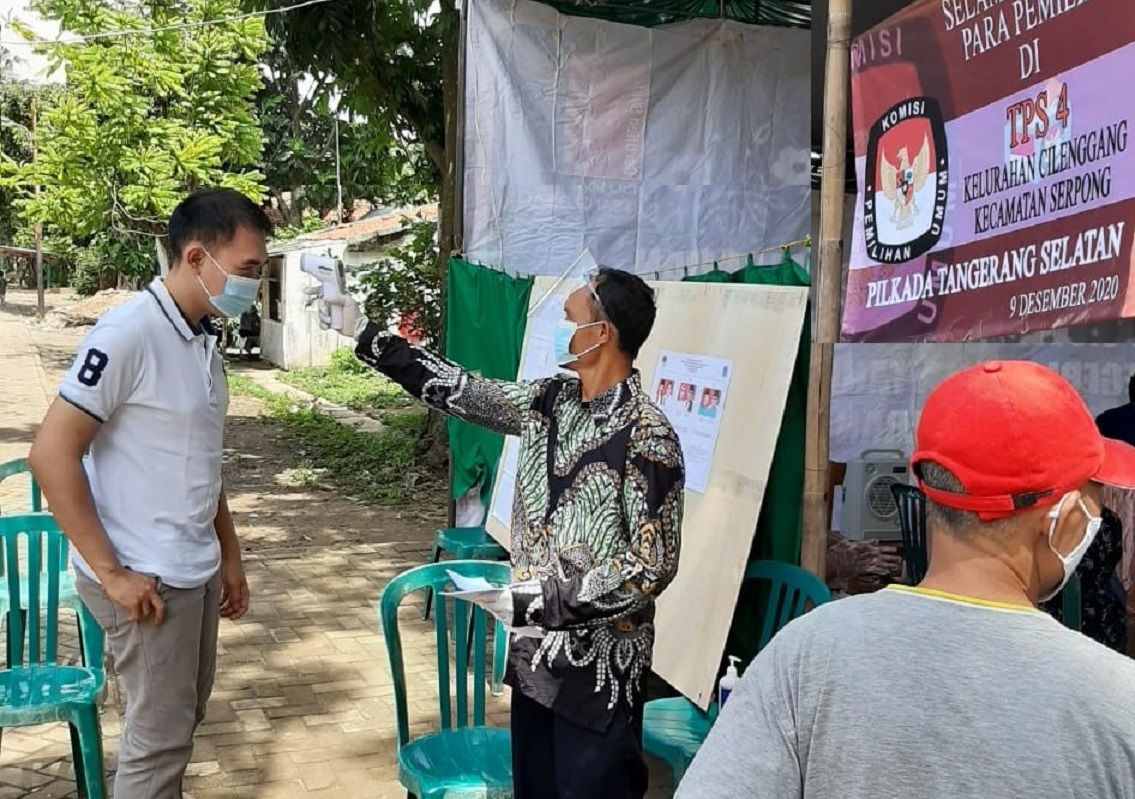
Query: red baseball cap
pixel 1017 436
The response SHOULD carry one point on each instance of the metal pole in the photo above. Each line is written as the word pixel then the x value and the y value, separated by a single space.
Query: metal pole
pixel 813 555
pixel 338 172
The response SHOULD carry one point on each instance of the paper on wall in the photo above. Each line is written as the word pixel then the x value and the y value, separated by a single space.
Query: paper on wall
pixel 690 390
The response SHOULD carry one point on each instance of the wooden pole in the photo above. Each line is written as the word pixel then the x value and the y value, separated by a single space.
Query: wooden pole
pixel 38 235
pixel 813 555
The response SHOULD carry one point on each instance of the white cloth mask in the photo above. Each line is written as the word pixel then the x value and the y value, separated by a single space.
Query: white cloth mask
pixel 1073 558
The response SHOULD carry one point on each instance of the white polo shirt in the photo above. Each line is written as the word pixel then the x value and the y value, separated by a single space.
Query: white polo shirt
pixel 154 467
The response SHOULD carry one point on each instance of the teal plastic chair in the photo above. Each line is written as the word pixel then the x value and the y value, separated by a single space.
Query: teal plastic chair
pixel 465 758
pixel 911 504
pixel 673 729
pixel 36 688
pixel 68 596
pixel 463 543
pixel 11 469
pixel 1071 604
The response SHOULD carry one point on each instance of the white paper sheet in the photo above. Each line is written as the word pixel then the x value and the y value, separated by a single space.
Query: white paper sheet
pixel 691 390
pixel 464 583
pixel 491 597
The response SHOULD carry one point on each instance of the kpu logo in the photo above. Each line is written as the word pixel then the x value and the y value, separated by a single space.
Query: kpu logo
pixel 907 182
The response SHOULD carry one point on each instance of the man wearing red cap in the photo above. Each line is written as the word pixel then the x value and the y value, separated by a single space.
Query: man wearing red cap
pixel 959 688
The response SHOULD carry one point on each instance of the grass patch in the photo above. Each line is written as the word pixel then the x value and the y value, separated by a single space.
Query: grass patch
pixel 384 468
pixel 348 382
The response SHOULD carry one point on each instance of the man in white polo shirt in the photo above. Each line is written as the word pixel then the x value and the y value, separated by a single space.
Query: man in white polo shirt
pixel 155 549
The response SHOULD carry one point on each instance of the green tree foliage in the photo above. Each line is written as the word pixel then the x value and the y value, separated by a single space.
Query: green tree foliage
pixel 408 281
pixel 298 119
pixel 16 103
pixel 145 118
pixel 395 63
pixel 385 57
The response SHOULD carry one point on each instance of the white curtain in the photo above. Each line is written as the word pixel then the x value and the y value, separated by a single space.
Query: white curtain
pixel 654 147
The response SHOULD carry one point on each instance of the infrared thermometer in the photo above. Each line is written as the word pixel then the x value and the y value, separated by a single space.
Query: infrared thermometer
pixel 329 272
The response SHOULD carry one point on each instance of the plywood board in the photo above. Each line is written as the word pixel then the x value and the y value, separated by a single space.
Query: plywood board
pixel 758 329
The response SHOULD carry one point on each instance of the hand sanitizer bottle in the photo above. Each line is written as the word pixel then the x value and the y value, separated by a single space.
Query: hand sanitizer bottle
pixel 728 682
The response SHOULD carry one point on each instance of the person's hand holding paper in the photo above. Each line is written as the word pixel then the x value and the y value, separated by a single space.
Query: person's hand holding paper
pixel 496 600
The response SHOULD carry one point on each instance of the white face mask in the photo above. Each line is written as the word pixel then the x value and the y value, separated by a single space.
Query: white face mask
pixel 565 332
pixel 1073 558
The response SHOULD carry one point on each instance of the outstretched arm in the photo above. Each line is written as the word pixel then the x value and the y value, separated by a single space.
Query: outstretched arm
pixel 653 497
pixel 445 386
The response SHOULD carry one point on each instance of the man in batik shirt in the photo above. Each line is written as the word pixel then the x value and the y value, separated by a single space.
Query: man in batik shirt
pixel 595 531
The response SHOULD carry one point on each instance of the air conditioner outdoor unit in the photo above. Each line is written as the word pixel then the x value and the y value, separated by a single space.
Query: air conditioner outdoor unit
pixel 869 509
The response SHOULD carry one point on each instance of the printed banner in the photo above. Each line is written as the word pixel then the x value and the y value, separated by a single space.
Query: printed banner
pixel 996 181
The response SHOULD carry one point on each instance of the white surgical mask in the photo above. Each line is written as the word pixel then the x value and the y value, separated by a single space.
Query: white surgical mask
pixel 238 295
pixel 1073 558
pixel 565 332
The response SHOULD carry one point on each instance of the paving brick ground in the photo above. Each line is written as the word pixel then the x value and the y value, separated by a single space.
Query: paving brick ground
pixel 303 705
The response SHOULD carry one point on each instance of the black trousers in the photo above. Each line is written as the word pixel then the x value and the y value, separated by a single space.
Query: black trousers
pixel 555 759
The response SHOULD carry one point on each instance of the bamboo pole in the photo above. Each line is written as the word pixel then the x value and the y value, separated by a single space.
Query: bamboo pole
pixel 813 555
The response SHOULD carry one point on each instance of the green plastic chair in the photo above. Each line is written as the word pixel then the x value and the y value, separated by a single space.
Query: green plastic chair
pixel 673 729
pixel 11 469
pixel 36 688
pixel 911 504
pixel 463 543
pixel 465 758
pixel 68 596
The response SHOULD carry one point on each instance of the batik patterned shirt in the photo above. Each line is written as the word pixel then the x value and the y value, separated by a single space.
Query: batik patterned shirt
pixel 596 522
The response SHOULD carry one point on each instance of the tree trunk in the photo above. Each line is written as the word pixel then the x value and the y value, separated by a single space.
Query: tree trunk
pixel 445 158
pixel 285 210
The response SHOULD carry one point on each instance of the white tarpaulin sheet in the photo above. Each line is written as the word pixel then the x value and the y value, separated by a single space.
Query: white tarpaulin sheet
pixel 653 147
pixel 878 389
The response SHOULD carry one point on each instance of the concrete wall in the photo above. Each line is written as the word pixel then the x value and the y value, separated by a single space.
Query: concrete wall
pixel 297 342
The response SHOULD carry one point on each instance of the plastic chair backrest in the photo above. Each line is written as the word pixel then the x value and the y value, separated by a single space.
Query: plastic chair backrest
pixel 433 576
pixel 33 548
pixel 12 468
pixel 791 591
pixel 1071 604
pixel 911 504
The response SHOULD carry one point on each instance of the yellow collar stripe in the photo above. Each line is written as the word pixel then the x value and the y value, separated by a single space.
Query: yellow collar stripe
pixel 965 600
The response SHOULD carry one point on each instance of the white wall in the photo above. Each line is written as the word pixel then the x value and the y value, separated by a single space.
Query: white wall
pixel 878 390
pixel 297 342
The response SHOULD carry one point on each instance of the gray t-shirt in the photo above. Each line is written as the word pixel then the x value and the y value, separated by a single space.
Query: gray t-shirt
pixel 910 694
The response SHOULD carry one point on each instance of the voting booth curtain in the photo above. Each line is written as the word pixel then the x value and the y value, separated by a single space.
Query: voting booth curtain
pixel 780 527
pixel 485 315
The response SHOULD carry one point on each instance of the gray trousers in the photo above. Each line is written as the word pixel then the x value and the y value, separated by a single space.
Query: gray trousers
pixel 166 673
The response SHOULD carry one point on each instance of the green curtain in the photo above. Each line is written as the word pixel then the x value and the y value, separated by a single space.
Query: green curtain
pixel 780 527
pixel 486 312
pixel 714 276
